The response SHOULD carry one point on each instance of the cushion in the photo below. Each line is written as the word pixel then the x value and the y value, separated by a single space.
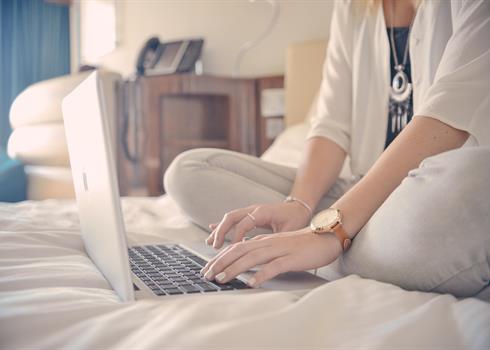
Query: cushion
pixel 39 145
pixel 41 102
pixel 288 147
pixel 49 182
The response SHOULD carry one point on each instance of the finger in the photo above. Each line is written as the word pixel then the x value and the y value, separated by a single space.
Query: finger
pixel 257 218
pixel 246 262
pixel 211 261
pixel 210 239
pixel 245 225
pixel 270 270
pixel 228 221
pixel 263 236
pixel 235 251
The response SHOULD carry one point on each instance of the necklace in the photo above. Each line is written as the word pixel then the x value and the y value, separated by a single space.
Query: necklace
pixel 401 88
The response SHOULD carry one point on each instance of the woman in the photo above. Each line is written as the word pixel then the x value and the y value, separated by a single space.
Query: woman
pixel 403 227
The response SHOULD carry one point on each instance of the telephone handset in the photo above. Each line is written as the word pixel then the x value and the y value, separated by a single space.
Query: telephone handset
pixel 156 58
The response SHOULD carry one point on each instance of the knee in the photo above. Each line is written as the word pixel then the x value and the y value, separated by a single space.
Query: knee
pixel 183 173
pixel 431 234
pixel 452 179
pixel 459 167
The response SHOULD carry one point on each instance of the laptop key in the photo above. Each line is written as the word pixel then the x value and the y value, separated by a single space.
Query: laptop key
pixel 226 287
pixel 190 289
pixel 197 260
pixel 178 280
pixel 173 291
pixel 206 287
pixel 238 284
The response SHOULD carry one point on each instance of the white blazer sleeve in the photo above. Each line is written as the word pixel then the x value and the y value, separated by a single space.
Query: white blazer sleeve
pixel 460 93
pixel 332 118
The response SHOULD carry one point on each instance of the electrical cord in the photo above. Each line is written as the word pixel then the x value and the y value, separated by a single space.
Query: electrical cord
pixel 131 115
pixel 252 43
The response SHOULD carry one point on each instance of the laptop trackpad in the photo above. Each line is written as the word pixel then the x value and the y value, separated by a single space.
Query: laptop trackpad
pixel 285 281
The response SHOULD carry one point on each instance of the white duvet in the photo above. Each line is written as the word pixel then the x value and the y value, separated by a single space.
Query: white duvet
pixel 52 296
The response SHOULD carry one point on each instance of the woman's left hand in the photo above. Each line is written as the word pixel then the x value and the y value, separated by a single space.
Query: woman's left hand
pixel 278 253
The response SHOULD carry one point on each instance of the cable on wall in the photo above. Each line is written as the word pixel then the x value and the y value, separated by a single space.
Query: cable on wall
pixel 253 43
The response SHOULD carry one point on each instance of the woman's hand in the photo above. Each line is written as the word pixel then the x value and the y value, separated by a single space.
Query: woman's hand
pixel 286 216
pixel 289 251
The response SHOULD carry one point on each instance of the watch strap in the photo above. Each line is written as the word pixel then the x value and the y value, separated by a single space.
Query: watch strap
pixel 342 236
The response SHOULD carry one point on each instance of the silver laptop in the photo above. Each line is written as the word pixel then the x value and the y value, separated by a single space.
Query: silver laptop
pixel 159 270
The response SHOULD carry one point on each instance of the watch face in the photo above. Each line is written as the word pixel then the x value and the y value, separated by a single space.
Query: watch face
pixel 325 219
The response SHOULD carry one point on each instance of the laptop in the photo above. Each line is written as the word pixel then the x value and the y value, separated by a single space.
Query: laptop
pixel 136 272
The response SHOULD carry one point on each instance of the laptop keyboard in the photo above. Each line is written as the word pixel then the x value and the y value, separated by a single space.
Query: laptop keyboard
pixel 171 270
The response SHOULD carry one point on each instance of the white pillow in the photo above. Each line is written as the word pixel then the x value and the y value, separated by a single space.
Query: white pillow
pixel 39 145
pixel 288 148
pixel 41 102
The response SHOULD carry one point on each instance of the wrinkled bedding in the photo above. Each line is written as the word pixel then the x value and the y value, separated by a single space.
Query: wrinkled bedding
pixel 52 296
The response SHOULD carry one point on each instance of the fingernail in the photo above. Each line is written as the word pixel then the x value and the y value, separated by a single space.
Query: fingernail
pixel 209 275
pixel 220 276
pixel 202 271
pixel 252 281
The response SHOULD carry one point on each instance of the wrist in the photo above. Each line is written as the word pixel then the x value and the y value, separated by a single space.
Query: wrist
pixel 300 210
pixel 349 223
pixel 331 242
pixel 300 203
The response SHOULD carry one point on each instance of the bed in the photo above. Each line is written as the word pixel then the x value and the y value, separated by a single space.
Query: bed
pixel 52 296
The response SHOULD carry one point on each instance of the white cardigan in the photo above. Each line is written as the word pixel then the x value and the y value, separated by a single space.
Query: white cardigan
pixel 450 63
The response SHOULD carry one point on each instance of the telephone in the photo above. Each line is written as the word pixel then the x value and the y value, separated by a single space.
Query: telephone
pixel 156 58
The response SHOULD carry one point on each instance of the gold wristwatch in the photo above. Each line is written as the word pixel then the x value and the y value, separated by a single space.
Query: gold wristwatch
pixel 330 221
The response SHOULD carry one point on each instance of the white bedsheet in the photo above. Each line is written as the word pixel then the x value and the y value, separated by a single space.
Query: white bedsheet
pixel 52 296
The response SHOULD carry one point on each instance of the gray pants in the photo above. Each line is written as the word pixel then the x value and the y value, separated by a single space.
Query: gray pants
pixel 431 234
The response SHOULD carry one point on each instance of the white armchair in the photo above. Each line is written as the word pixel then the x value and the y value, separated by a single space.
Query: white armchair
pixel 38 137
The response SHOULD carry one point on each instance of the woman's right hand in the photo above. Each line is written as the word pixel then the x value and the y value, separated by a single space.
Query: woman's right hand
pixel 280 217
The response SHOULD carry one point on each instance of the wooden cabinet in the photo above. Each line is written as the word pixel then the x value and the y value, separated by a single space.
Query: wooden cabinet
pixel 185 111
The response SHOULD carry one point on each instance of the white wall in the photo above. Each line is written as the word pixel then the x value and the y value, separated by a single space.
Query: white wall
pixel 225 25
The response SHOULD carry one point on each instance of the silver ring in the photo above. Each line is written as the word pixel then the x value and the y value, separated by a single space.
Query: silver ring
pixel 253 219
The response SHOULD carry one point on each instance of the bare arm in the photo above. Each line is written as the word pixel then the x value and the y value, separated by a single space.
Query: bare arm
pixel 422 138
pixel 321 165
pixel 319 169
pixel 300 250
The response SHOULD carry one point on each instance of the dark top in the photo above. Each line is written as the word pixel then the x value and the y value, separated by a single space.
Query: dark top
pixel 401 37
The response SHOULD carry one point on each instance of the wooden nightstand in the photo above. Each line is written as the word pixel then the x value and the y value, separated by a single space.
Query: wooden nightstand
pixel 186 111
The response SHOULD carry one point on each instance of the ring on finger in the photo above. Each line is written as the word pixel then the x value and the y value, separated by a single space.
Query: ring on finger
pixel 253 219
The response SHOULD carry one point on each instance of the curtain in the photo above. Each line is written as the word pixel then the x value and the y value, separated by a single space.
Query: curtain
pixel 34 46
